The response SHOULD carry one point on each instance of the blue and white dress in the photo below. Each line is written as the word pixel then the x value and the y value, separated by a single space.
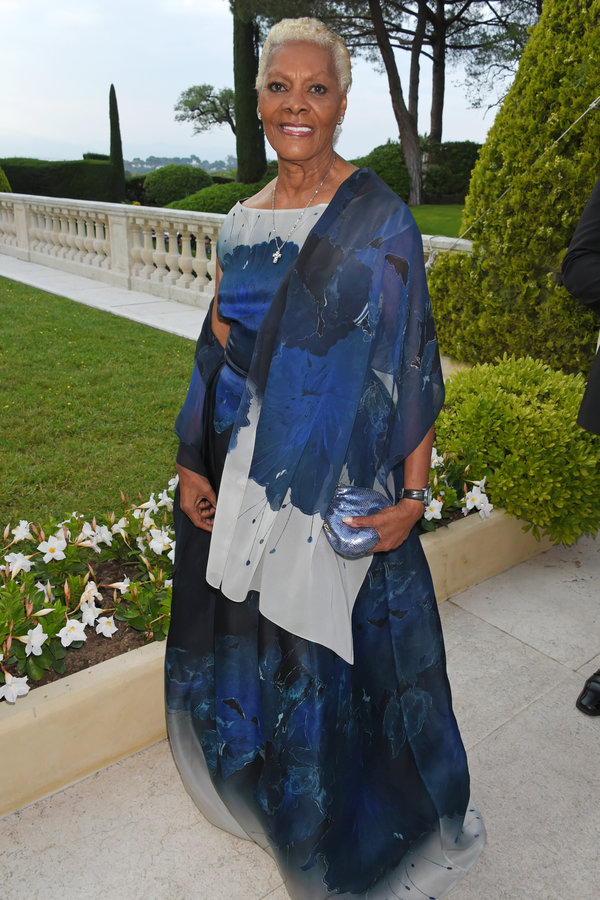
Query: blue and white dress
pixel 307 698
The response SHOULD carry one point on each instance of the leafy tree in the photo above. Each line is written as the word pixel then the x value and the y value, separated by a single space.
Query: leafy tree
pixel 4 183
pixel 533 177
pixel 116 148
pixel 206 107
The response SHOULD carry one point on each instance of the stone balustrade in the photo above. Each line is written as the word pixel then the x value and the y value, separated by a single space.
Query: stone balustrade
pixel 168 253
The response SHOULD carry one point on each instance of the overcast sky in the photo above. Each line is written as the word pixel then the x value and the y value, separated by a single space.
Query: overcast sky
pixel 59 57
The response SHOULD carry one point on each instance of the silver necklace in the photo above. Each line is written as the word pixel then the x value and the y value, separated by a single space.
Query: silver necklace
pixel 277 254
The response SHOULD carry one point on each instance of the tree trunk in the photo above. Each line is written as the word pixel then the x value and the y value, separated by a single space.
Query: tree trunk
pixel 249 135
pixel 438 85
pixel 407 124
pixel 415 61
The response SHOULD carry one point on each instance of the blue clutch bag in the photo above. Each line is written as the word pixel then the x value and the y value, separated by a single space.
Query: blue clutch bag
pixel 352 501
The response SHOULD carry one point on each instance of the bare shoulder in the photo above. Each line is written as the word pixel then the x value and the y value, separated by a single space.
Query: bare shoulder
pixel 262 199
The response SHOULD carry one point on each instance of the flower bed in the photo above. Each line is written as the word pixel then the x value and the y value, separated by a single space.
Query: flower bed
pixel 76 583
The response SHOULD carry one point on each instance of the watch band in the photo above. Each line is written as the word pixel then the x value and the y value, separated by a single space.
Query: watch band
pixel 422 494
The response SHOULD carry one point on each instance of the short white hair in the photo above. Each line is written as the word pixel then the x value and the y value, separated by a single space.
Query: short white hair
pixel 307 29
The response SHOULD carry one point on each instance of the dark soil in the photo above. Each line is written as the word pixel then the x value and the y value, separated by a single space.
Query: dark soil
pixel 97 648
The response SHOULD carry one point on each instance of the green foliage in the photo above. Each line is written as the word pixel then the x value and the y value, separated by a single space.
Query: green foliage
pixel 219 198
pixel 387 161
pixel 116 148
pixel 171 183
pixel 507 296
pixel 206 107
pixel 4 182
pixel 103 156
pixel 515 423
pixel 447 170
pixel 134 189
pixel 85 179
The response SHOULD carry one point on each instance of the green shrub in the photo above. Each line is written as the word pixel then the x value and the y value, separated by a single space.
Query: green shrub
pixel 515 422
pixel 447 170
pixel 219 198
pixel 103 156
pixel 507 296
pixel 81 179
pixel 173 182
pixel 387 161
pixel 134 189
pixel 4 182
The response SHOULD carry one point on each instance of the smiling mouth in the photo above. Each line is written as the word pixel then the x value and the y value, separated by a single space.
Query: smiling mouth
pixel 296 130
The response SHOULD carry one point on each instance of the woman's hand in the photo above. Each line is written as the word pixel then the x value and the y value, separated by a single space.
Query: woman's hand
pixel 197 498
pixel 393 524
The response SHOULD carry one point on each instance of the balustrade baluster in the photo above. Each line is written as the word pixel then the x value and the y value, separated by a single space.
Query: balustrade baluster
pixel 160 254
pixel 172 259
pixel 186 262
pixel 147 251
pixel 200 262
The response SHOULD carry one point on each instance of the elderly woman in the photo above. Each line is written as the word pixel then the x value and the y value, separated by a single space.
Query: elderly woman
pixel 308 704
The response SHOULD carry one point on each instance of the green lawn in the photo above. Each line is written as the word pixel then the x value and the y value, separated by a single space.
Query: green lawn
pixel 88 405
pixel 438 219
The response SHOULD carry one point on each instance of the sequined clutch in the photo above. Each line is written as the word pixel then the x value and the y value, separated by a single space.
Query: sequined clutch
pixel 352 501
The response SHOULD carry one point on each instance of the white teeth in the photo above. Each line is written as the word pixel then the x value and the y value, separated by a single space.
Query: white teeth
pixel 297 129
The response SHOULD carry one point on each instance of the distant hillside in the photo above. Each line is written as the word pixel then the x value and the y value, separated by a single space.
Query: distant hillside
pixel 139 166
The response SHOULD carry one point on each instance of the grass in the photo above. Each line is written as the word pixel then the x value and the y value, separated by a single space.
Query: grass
pixel 88 406
pixel 438 219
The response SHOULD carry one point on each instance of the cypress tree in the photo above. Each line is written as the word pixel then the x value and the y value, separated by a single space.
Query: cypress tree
pixel 507 296
pixel 116 148
pixel 249 136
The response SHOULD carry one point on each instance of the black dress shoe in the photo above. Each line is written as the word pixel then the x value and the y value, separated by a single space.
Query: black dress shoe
pixel 589 699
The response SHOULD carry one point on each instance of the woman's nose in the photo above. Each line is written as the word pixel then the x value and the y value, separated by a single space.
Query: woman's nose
pixel 296 101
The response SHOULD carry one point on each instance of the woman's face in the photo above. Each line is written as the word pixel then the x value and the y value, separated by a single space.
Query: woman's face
pixel 301 101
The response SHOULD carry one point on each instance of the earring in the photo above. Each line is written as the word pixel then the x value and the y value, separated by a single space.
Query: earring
pixel 340 120
pixel 259 114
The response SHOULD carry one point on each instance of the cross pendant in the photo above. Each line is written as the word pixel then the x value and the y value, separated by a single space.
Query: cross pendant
pixel 277 256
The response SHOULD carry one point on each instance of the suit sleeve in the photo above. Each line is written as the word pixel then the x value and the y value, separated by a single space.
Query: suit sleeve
pixel 581 265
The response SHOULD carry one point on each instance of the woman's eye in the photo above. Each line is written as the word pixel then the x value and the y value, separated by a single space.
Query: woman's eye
pixel 319 89
pixel 276 86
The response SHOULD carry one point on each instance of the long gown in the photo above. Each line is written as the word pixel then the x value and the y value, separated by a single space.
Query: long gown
pixel 352 776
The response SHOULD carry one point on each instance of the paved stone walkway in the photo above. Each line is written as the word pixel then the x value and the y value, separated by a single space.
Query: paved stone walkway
pixel 519 648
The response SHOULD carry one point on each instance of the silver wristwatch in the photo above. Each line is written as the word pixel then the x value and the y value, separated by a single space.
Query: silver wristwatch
pixel 422 494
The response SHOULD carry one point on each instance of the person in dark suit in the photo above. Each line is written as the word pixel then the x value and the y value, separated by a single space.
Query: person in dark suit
pixel 581 277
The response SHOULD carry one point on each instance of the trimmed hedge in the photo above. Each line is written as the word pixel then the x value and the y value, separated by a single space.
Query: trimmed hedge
pixel 507 296
pixel 515 422
pixel 447 170
pixel 174 182
pixel 4 182
pixel 219 198
pixel 387 161
pixel 85 179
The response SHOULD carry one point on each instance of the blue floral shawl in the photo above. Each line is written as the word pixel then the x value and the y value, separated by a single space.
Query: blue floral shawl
pixel 344 383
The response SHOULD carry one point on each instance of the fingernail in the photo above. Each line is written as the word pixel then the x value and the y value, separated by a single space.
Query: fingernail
pixel 347 520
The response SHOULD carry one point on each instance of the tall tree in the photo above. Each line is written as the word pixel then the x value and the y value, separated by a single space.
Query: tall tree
pixel 116 148
pixel 206 107
pixel 250 138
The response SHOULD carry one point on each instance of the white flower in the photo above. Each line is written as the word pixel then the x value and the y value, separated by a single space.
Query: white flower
pixel 106 626
pixel 34 640
pixel 173 482
pixel 160 541
pixel 53 548
pixel 104 534
pixel 140 542
pixel 90 593
pixel 121 586
pixel 434 510
pixel 45 589
pixel 72 631
pixel 120 526
pixel 150 505
pixel 435 459
pixel 18 562
pixel 471 498
pixel 484 506
pixel 168 581
pixel 171 553
pixel 165 500
pixel 89 612
pixel 138 513
pixel 13 688
pixel 22 532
